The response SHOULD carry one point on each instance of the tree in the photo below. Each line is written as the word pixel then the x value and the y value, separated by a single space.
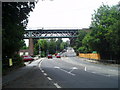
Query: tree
pixel 14 20
pixel 58 42
pixel 79 39
pixel 36 49
pixel 24 46
pixel 52 46
pixel 43 46
pixel 62 46
pixel 105 32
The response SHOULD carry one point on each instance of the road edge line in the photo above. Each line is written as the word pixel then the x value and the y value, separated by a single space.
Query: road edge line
pixel 39 65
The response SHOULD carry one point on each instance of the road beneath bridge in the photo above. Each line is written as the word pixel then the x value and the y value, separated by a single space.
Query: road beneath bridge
pixel 66 72
pixel 49 33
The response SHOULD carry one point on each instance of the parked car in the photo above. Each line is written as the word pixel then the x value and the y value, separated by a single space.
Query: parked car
pixel 58 56
pixel 49 56
pixel 27 58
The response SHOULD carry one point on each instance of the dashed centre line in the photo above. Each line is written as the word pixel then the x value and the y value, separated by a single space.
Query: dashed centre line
pixel 45 74
pixel 85 69
pixel 57 85
pixel 42 71
pixel 49 78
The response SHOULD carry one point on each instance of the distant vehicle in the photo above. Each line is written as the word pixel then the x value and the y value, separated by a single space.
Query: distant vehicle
pixel 58 56
pixel 64 50
pixel 27 58
pixel 49 56
pixel 55 54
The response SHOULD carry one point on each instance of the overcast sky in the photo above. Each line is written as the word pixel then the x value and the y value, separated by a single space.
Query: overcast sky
pixel 64 13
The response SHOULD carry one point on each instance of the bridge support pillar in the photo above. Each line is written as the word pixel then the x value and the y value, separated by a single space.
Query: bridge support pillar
pixel 31 48
pixel 72 41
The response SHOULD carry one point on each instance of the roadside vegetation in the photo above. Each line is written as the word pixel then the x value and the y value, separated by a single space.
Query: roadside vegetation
pixel 49 46
pixel 104 35
pixel 14 21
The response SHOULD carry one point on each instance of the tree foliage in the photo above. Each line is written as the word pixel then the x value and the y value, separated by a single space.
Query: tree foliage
pixel 105 33
pixel 51 46
pixel 14 20
pixel 58 44
pixel 79 39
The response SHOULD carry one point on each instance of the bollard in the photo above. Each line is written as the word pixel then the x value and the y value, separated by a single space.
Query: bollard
pixel 10 62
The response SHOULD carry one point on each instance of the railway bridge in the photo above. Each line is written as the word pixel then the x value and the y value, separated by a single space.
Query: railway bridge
pixel 49 33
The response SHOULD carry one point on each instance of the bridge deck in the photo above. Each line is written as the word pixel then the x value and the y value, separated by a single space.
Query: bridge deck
pixel 51 33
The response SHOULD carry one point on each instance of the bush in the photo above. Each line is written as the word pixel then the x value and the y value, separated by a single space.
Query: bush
pixel 43 54
pixel 81 49
pixel 17 62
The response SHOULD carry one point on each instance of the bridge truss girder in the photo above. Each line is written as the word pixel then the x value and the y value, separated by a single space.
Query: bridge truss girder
pixel 36 34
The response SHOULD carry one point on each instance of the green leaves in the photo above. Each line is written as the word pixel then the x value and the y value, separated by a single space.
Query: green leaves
pixel 14 21
pixel 105 33
pixel 49 46
pixel 104 28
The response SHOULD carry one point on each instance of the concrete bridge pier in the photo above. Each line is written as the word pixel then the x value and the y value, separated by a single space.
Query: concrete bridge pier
pixel 31 48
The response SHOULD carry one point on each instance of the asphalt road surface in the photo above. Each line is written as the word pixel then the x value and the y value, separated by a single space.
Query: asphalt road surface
pixel 29 76
pixel 74 72
pixel 64 72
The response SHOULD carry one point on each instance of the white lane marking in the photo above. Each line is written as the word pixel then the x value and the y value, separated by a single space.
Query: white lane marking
pixel 49 78
pixel 57 85
pixel 64 70
pixel 40 65
pixel 45 74
pixel 42 71
pixel 85 69
pixel 56 67
pixel 72 69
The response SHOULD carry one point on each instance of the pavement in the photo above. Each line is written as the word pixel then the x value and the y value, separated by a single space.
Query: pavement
pixel 21 78
pixel 98 62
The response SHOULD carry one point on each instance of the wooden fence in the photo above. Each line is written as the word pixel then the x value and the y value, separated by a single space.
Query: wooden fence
pixel 90 55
